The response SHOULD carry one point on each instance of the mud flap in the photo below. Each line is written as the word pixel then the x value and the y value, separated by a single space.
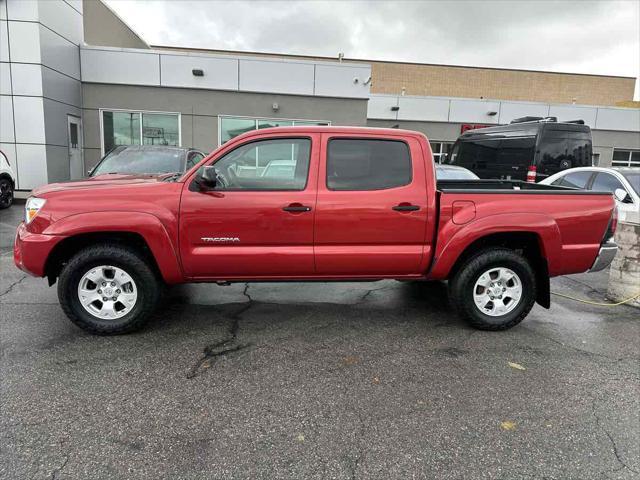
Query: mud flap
pixel 543 284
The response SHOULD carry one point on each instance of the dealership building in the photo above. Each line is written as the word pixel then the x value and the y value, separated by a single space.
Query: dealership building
pixel 76 80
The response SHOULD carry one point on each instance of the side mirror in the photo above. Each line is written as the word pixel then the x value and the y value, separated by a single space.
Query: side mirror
pixel 622 195
pixel 207 180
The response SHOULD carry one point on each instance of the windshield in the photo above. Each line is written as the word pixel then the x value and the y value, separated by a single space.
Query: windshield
pixel 138 160
pixel 634 179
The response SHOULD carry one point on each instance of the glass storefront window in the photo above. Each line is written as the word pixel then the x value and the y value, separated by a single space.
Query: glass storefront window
pixel 231 127
pixel 441 150
pixel 120 128
pixel 134 128
pixel 626 158
pixel 160 129
pixel 274 123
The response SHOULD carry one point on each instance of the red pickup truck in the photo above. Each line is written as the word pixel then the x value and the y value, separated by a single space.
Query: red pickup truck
pixel 310 203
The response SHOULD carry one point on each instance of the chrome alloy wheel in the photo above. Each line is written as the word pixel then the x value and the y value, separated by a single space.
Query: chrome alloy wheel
pixel 107 292
pixel 497 292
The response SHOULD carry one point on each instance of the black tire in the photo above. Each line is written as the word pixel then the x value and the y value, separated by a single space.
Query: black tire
pixel 6 193
pixel 135 265
pixel 461 288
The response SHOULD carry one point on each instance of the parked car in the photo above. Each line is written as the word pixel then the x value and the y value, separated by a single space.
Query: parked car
pixel 147 159
pixel 529 148
pixel 453 172
pixel 623 182
pixel 7 182
pixel 362 204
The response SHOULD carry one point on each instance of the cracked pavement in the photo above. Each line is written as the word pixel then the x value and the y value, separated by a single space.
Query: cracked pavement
pixel 317 380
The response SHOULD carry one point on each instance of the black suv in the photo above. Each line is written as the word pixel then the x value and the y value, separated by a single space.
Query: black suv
pixel 529 148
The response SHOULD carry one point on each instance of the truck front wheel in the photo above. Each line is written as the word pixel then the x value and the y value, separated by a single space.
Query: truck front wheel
pixel 494 290
pixel 108 289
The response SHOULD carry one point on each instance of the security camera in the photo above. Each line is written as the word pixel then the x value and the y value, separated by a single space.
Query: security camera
pixel 367 81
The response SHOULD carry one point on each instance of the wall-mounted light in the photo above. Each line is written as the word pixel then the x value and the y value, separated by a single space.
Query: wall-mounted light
pixel 275 106
pixel 492 113
pixel 197 72
pixel 395 108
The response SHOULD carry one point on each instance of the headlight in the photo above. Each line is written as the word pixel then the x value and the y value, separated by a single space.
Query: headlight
pixel 32 207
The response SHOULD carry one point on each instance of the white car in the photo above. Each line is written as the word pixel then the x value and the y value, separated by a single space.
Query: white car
pixel 623 182
pixel 7 182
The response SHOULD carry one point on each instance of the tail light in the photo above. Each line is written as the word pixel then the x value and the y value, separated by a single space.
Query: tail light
pixel 531 174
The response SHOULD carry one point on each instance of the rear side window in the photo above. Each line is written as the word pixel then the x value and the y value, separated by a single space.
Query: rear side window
pixel 367 164
pixel 605 182
pixel 574 180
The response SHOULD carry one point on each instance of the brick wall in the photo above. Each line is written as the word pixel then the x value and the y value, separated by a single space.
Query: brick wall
pixel 471 82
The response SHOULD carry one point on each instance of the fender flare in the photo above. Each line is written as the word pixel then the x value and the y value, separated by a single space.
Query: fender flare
pixel 148 226
pixel 543 226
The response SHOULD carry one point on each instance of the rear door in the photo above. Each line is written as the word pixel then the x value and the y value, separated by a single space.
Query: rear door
pixel 253 226
pixel 371 211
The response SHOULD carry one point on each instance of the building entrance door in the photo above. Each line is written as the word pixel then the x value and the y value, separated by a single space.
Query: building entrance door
pixel 74 139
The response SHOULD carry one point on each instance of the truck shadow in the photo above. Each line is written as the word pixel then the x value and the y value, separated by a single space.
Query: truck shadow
pixel 389 302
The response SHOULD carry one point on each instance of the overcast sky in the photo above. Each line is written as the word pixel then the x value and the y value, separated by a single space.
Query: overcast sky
pixel 600 37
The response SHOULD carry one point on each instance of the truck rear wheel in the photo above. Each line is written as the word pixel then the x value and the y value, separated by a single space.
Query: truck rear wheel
pixel 495 290
pixel 108 290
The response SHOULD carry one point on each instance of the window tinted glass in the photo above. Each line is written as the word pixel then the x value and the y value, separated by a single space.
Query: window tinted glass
pixel 367 164
pixel 562 150
pixel 575 180
pixel 479 156
pixel 515 155
pixel 281 164
pixel 605 182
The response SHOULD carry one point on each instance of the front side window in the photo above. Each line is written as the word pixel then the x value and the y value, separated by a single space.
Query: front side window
pixel 605 182
pixel 139 128
pixel 277 164
pixel 367 164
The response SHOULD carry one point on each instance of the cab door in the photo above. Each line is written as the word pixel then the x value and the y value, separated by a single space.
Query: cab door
pixel 258 221
pixel 371 212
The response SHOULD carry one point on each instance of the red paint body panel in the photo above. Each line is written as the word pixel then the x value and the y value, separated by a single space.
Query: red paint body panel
pixel 345 235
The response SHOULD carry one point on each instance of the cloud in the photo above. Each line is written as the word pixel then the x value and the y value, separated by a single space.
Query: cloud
pixel 601 37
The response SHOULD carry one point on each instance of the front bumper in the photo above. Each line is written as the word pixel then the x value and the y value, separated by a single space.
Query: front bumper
pixel 31 250
pixel 605 256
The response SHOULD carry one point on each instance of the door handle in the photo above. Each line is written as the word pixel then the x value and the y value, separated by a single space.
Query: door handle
pixel 296 207
pixel 405 207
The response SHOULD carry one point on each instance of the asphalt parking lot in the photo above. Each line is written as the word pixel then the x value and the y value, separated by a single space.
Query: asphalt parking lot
pixel 344 380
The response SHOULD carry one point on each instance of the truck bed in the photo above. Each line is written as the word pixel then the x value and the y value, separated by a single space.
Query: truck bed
pixel 568 223
pixel 508 186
